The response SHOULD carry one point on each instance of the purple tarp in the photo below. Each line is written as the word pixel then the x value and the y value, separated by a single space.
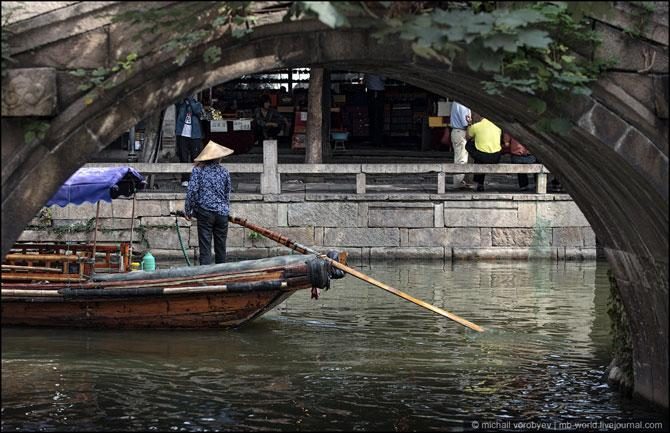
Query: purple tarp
pixel 92 184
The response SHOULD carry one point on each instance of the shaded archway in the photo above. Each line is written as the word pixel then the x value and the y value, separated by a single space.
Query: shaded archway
pixel 625 203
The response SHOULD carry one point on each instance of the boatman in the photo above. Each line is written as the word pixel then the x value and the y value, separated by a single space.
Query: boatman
pixel 208 199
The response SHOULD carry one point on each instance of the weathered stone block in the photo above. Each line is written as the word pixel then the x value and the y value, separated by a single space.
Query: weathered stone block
pixel 527 214
pixel 193 236
pixel 303 235
pixel 355 237
pixel 117 223
pixel 167 238
pixel 29 92
pixel 87 51
pixel 438 215
pixel 608 127
pixel 282 214
pixel 646 157
pixel 235 237
pixel 627 15
pixel 323 214
pixel 166 221
pixel 580 253
pixel 400 217
pixel 561 214
pixel 115 209
pixel 513 237
pixel 639 87
pixel 113 236
pixel 147 208
pixel 262 214
pixel 363 215
pixel 486 239
pixel 318 235
pixel 480 217
pixel 446 237
pixel 629 52
pixel 568 237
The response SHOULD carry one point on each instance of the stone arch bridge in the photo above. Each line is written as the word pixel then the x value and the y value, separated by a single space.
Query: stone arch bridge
pixel 614 161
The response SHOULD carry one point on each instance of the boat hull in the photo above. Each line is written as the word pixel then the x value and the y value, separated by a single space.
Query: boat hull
pixel 220 310
pixel 214 296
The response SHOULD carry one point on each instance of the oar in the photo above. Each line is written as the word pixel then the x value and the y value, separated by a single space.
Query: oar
pixel 306 250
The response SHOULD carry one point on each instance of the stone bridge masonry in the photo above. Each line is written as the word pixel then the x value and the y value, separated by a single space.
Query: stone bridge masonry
pixel 614 160
pixel 367 226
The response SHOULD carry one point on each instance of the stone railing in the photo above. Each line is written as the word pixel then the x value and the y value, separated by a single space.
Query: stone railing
pixel 271 171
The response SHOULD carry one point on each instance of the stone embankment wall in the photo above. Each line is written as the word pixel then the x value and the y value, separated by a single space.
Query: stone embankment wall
pixel 444 226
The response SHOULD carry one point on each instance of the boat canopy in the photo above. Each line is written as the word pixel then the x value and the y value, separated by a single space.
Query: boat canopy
pixel 92 184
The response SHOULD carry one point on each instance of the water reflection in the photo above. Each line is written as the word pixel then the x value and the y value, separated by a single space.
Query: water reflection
pixel 356 359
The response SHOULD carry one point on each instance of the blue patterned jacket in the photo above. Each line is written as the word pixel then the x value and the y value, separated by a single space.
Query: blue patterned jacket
pixel 209 188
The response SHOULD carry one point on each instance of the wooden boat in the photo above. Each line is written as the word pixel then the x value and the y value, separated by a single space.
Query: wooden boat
pixel 221 295
pixel 83 285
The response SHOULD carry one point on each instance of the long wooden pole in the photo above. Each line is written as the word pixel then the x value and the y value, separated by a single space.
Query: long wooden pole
pixel 306 250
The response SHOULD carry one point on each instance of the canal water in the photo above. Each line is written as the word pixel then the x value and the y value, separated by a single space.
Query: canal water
pixel 357 359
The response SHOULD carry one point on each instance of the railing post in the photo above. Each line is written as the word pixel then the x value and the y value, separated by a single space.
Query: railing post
pixel 270 179
pixel 441 179
pixel 542 183
pixel 360 183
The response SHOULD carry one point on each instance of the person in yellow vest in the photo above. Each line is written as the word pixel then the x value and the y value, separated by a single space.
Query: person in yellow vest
pixel 483 145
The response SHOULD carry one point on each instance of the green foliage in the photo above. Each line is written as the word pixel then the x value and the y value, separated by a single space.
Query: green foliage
pixel 44 218
pixel 62 231
pixel 212 54
pixel 35 130
pixel 100 78
pixel 254 235
pixel 192 23
pixel 526 48
pixel 525 45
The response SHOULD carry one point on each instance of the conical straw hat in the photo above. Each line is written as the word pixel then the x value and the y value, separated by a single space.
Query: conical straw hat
pixel 213 151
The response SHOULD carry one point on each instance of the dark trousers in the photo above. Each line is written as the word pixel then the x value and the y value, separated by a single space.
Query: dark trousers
pixel 187 150
pixel 523 177
pixel 481 158
pixel 211 223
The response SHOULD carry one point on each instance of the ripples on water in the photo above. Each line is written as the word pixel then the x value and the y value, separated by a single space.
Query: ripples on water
pixel 356 359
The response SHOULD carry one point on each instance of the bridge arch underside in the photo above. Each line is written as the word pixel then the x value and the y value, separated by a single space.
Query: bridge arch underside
pixel 625 202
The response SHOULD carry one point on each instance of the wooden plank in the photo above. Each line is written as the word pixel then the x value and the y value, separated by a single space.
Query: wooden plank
pixel 41 257
pixel 40 277
pixel 31 268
